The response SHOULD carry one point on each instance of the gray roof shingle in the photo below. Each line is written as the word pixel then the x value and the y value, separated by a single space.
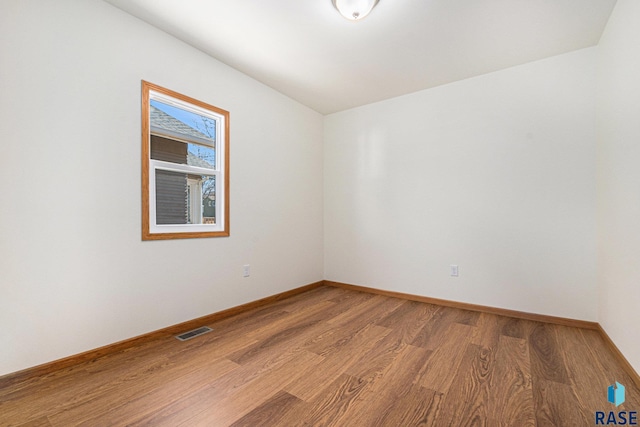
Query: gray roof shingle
pixel 166 125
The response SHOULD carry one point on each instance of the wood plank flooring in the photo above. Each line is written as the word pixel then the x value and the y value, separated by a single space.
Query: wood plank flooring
pixel 337 357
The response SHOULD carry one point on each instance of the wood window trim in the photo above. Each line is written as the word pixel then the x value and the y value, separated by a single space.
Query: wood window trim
pixel 147 234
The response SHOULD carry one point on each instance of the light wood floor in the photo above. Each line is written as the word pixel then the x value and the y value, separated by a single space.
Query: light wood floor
pixel 335 357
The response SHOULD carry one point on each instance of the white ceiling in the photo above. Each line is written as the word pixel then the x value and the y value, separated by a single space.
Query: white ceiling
pixel 306 50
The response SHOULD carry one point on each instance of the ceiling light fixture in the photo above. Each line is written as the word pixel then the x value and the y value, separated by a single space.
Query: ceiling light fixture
pixel 354 10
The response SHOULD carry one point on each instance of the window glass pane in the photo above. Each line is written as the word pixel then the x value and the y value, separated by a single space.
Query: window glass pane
pixel 181 136
pixel 183 198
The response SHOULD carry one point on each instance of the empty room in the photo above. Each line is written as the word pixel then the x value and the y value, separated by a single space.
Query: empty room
pixel 319 213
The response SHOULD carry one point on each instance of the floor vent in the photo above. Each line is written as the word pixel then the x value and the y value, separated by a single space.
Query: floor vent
pixel 194 333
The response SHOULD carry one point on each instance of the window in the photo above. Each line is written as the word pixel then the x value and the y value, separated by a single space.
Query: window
pixel 185 166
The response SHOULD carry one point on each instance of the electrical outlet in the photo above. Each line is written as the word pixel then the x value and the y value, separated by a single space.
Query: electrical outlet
pixel 454 270
pixel 246 270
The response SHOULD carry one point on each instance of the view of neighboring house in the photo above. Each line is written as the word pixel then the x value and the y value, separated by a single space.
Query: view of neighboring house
pixel 182 198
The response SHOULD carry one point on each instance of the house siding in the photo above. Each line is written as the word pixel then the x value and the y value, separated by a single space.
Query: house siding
pixel 171 187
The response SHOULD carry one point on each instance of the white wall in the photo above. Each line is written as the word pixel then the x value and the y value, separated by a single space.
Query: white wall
pixel 495 174
pixel 74 273
pixel 619 178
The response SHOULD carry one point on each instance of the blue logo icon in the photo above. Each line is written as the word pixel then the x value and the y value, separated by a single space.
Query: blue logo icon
pixel 615 394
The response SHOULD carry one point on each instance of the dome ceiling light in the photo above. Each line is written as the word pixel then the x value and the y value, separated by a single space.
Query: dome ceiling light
pixel 354 10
